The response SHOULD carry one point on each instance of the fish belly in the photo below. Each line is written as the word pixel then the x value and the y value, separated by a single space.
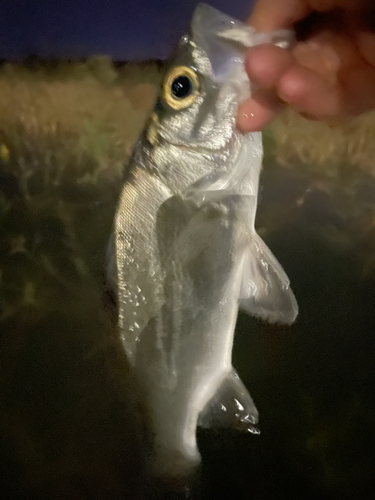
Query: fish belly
pixel 185 350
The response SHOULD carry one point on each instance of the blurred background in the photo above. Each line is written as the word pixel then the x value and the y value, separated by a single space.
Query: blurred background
pixel 77 81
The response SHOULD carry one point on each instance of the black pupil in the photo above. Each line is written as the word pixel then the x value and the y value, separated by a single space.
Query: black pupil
pixel 181 87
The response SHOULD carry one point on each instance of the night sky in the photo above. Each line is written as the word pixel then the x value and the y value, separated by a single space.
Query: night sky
pixel 123 29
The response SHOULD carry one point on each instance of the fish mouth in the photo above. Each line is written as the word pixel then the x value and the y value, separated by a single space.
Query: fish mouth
pixel 207 25
pixel 225 39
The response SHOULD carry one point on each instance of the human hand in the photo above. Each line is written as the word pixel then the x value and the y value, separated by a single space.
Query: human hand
pixel 328 74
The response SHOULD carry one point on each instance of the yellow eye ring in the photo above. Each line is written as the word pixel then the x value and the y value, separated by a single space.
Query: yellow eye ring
pixel 180 87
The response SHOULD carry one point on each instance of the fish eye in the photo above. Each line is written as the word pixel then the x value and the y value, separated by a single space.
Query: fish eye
pixel 180 87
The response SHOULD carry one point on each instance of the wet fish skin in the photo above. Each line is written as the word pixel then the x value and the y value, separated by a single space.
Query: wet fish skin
pixel 187 254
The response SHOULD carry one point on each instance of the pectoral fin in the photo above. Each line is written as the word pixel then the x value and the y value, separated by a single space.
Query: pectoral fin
pixel 265 290
pixel 232 406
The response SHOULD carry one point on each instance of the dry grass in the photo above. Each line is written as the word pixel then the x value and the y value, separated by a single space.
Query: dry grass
pixel 65 136
pixel 66 427
pixel 325 146
pixel 83 125
pixel 82 119
pixel 66 133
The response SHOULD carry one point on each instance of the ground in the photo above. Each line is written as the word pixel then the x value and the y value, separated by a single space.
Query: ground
pixel 70 421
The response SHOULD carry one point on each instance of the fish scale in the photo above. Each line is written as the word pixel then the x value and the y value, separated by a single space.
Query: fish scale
pixel 187 256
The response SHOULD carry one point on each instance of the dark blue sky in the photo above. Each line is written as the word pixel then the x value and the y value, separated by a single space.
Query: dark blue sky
pixel 124 29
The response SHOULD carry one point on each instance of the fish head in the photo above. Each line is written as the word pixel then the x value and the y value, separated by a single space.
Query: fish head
pixel 205 82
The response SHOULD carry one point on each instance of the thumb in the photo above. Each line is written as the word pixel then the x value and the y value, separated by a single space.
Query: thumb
pixel 269 15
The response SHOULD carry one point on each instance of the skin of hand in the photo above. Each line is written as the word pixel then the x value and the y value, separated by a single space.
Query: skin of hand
pixel 328 74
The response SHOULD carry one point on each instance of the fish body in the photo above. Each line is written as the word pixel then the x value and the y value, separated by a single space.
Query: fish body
pixel 187 254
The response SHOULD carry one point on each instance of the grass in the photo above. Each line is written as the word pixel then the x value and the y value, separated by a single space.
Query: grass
pixel 322 146
pixel 66 132
pixel 65 136
pixel 79 121
pixel 82 119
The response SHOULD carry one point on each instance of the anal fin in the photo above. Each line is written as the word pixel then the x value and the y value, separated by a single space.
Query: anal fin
pixel 232 406
pixel 265 290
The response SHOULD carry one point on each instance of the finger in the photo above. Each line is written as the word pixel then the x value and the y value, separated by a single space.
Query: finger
pixel 358 89
pixel 254 114
pixel 366 46
pixel 328 50
pixel 265 64
pixel 326 5
pixel 312 95
pixel 322 59
pixel 347 86
pixel 364 16
pixel 270 15
pixel 309 92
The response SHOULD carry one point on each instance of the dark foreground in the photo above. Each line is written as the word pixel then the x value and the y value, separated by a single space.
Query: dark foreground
pixel 71 426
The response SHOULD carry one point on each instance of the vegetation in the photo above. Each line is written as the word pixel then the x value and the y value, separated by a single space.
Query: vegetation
pixel 82 118
pixel 326 147
pixel 67 428
pixel 79 119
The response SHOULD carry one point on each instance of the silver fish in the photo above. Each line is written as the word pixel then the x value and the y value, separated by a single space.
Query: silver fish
pixel 187 254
